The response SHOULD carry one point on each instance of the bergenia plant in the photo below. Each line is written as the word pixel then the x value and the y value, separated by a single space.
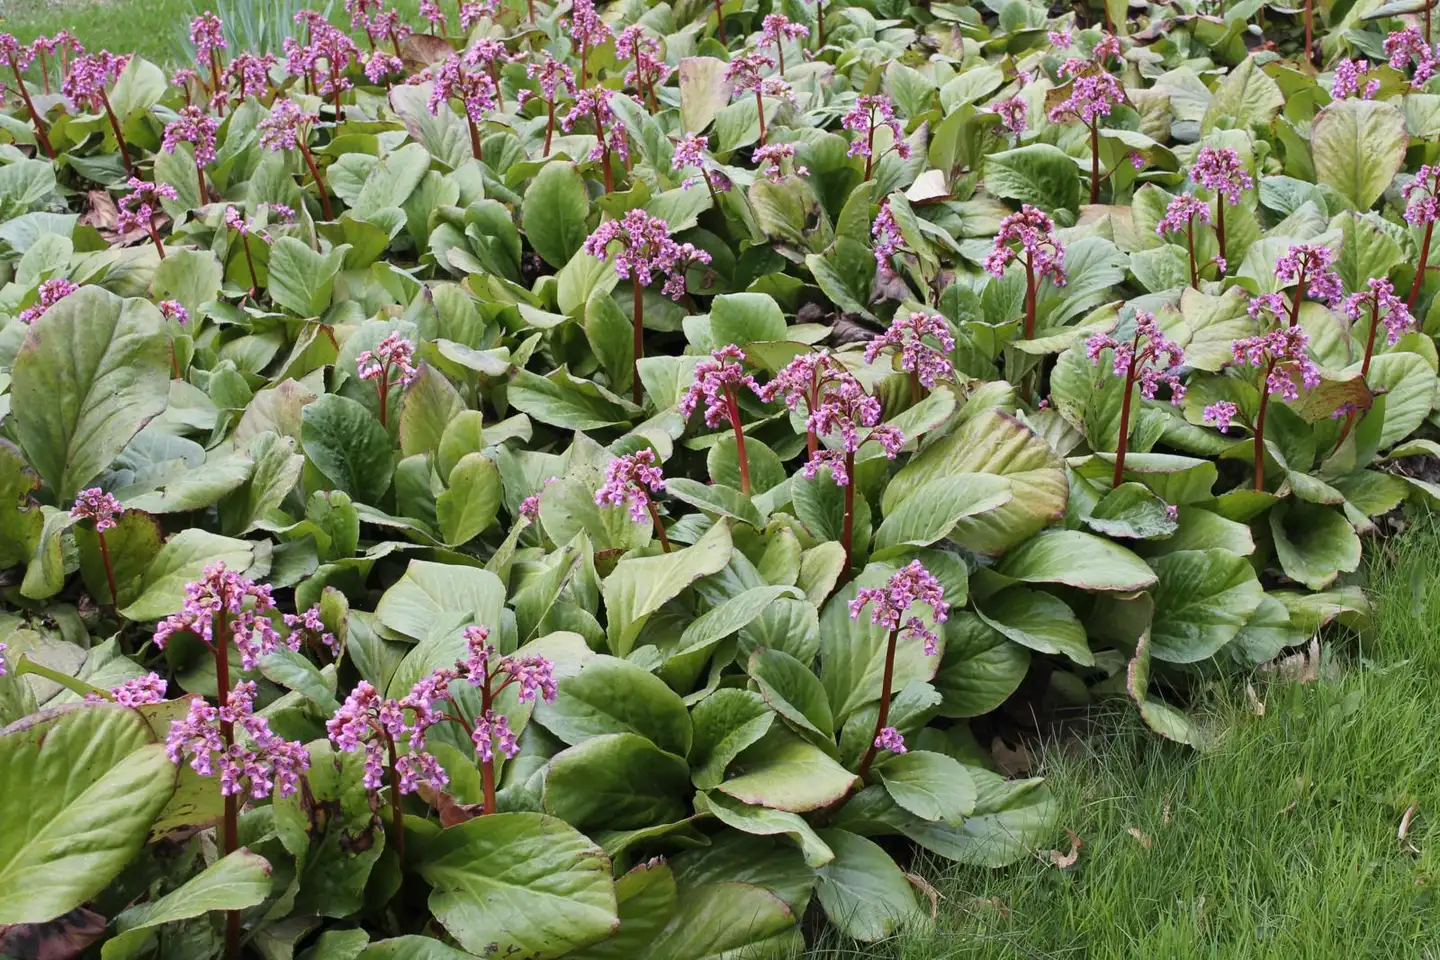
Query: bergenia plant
pixel 593 104
pixel 801 382
pixel 288 128
pixel 195 127
pixel 869 114
pixel 1219 169
pixel 103 511
pixel 718 380
pixel 629 482
pixel 1307 266
pixel 645 253
pixel 50 293
pixel 1180 216
pixel 136 210
pixel 907 336
pixel 1094 94
pixel 207 36
pixel 745 74
pixel 587 31
pixel 17 57
pixel 553 76
pixel 475 91
pixel 1422 208
pixel 650 70
pixel 85 85
pixel 1384 308
pixel 1028 236
pixel 690 154
pixel 1150 359
pixel 779 28
pixel 389 365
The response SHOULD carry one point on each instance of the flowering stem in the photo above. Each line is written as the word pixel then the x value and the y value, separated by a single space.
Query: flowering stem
pixel 1299 293
pixel 319 182
pixel 869 147
pixel 1029 298
pixel 487 765
pixel 44 71
pixel 230 839
pixel 734 407
pixel 1420 267
pixel 760 111
pixel 200 179
pixel 1220 225
pixel 335 89
pixel 1194 273
pixel 1260 428
pixel 250 263
pixel 1370 340
pixel 474 139
pixel 585 61
pixel 215 79
pixel 1124 440
pixel 30 106
pixel 720 31
pixel 780 53
pixel 820 24
pixel 119 137
pixel 1310 28
pixel 530 6
pixel 550 128
pixel 637 323
pixel 382 387
pixel 1095 151
pixel 659 527
pixel 884 715
pixel 397 819
pixel 110 570
pixel 847 535
pixel 155 238
pixel 394 42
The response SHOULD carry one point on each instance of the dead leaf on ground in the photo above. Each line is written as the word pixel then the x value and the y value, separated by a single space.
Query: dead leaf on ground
pixel 1256 703
pixel 1404 832
pixel 1165 813
pixel 1292 806
pixel 924 886
pixel 1013 763
pixel 451 811
pixel 1066 860
pixel 1303 667
pixel 1141 837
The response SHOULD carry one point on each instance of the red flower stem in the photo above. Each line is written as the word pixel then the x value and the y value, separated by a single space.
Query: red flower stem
pixel 487 767
pixel 659 527
pixel 319 181
pixel 394 42
pixel 1030 294
pixel 335 91
pixel 530 6
pixel 1095 153
pixel 155 238
pixel 30 106
pixel 883 717
pixel 254 278
pixel 174 361
pixel 733 405
pixel 1310 28
pixel 848 534
pixel 720 26
pixel 1299 293
pixel 1260 429
pixel 397 819
pixel 820 24
pixel 200 178
pixel 1370 340
pixel 584 62
pixel 760 112
pixel 230 838
pixel 780 53
pixel 109 570
pixel 1124 441
pixel 44 71
pixel 1220 225
pixel 1420 267
pixel 215 80
pixel 119 137
pixel 382 387
pixel 474 139
pixel 495 79
pixel 550 127
pixel 1194 273
pixel 637 325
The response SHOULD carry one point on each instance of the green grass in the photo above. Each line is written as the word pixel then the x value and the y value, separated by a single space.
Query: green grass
pixel 148 28
pixel 1279 843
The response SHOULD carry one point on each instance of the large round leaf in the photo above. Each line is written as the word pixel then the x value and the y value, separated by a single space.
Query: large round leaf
pixel 862 890
pixel 519 883
pixel 554 211
pixel 1038 620
pixel 1202 600
pixel 348 446
pixel 1313 542
pixel 931 512
pixel 1079 560
pixel 980 669
pixel 786 773
pixel 719 921
pixel 81 790
pixel 619 780
pixel 609 695
pixel 1358 147
pixel 93 370
pixel 932 786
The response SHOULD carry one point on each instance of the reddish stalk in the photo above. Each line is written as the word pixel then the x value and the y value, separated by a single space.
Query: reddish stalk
pixel 637 324
pixel 848 533
pixel 869 147
pixel 487 767
pixel 733 406
pixel 1124 442
pixel 474 139
pixel 1310 28
pixel 530 6
pixel 382 387
pixel 1299 293
pixel 884 715
pixel 1095 155
pixel 119 137
pixel 1260 429
pixel 1420 267
pixel 550 127
pixel 216 88
pixel 820 24
pixel 1194 271
pixel 250 263
pixel 760 110
pixel 109 570
pixel 1370 340
pixel 230 839
pixel 720 29
pixel 30 106
pixel 397 819
pixel 319 181
pixel 659 528
pixel 1220 224
pixel 200 178
pixel 44 70
pixel 335 88
pixel 155 239
pixel 1030 294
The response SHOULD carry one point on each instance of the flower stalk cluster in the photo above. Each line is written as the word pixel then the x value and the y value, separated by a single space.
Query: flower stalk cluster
pixel 389 364
pixel 718 380
pixel 1149 358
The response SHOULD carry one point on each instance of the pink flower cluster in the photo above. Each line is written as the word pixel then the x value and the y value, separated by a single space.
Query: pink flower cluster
pixel 530 506
pixel 769 158
pixel 194 127
pixel 98 506
pixel 1380 299
pixel 238 605
pixel 553 75
pixel 1347 80
pixel 1405 46
pixel 634 43
pixel 174 310
pixel 309 626
pixel 395 355
pixel 268 762
pixel 745 71
pixel 1308 264
pixel 717 380
pixel 910 584
pixel 907 334
pixel 1286 353
pixel 533 675
pixel 1421 203
pixel 136 692
pixel 284 128
pixel 1014 114
pixel 890 739
pixel 1093 95
pixel 137 208
pixel 870 113
pixel 803 379
pixel 1182 213
pixel 888 239
pixel 1034 232
pixel 778 28
pixel 1153 358
pixel 473 88
pixel 88 77
pixel 586 27
pixel 51 292
pixel 370 723
pixel 690 152
pixel 629 481
pixel 844 408
pixel 207 33
pixel 1220 169
pixel 593 104
pixel 1221 414
pixel 646 251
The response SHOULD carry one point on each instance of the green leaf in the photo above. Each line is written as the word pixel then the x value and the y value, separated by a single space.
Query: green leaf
pixel 197 489
pixel 83 786
pixel 291 669
pixel 554 212
pixel 784 772
pixel 1359 146
pixel 520 883
pixel 411 947
pixel 742 318
pixel 191 276
pixel 301 280
pixel 92 371
pixel 725 723
pixel 1079 560
pixel 234 882
pixel 611 337
pixel 703 91
pixel 277 470
pixel 429 592
pixel 183 560
pixel 646 895
pixel 619 781
pixel 715 498
pixel 1314 543
pixel 640 586
pixel 391 181
pixel 470 504
pixel 764 822
pixel 567 401
pixel 793 691
pixel 932 786
pixel 933 509
pixel 1038 174
pixel 1133 512
pixel 1203 599
pixel 1011 817
pixel 348 446
pixel 863 892
pixel 852 650
pixel 1247 97
pixel 1037 620
pixel 981 667
pixel 728 921
pixel 431 404
pixel 609 695
pixel 20 517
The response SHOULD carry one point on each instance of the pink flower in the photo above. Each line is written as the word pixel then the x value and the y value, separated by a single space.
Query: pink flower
pixel 174 310
pixel 1158 361
pixel 137 208
pixel 552 75
pixel 1014 114
pixel 646 251
pixel 250 74
pixel 530 506
pixel 1221 414
pixel 891 740
pixel 1034 232
pixel 207 33
pixel 1381 296
pixel 717 380
pixel 869 114
pixel 635 44
pixel 1093 95
pixel 629 481
pixel 1220 169
pixel 241 602
pixel 533 675
pixel 97 505
pixel 395 355
pixel 195 127
pixel 1308 264
pixel 1347 80
pixel 136 692
pixel 909 585
pixel 769 157
pixel 285 127
pixel 844 408
pixel 1406 45
pixel 308 626
pixel 3 647
pixel 690 153
pixel 906 334
pixel 88 77
pixel 370 723
pixel 803 379
pixel 888 239
pixel 51 292
pixel 1285 353
pixel 267 762
pixel 1060 39
pixel 586 27
pixel 1421 194
pixel 1182 213
pixel 744 71
pixel 473 88
pixel 593 104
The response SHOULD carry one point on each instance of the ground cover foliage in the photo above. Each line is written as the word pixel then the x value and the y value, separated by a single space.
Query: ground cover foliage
pixel 547 482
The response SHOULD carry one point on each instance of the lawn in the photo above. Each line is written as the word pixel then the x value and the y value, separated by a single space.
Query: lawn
pixel 1281 842
pixel 151 29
